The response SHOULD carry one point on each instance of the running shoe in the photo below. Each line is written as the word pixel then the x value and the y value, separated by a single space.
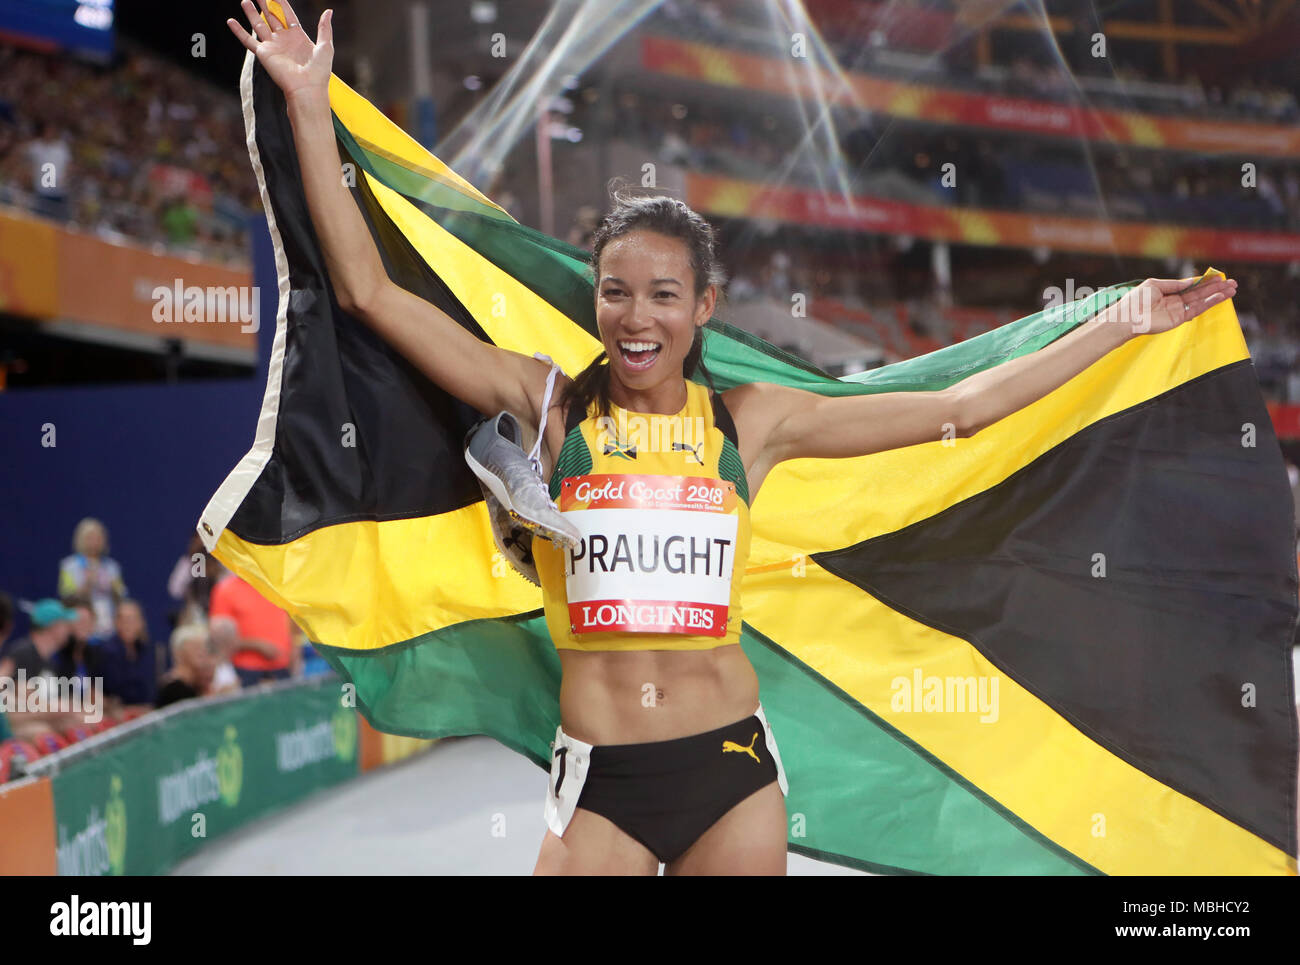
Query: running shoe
pixel 495 453
pixel 513 541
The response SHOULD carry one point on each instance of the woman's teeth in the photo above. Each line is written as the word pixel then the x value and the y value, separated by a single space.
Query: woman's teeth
pixel 639 355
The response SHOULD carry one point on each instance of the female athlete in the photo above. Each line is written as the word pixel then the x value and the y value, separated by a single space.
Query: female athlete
pixel 663 752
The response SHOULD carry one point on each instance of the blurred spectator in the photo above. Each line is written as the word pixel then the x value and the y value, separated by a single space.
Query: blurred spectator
pixel 222 640
pixel 673 149
pixel 193 663
pixel 261 648
pixel 89 575
pixel 778 284
pixel 584 227
pixel 312 664
pixel 223 634
pixel 193 591
pixel 51 161
pixel 34 653
pixel 179 220
pixel 128 662
pixel 78 657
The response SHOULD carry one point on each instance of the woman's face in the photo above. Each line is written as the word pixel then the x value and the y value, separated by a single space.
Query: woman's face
pixel 129 622
pixel 646 307
pixel 94 540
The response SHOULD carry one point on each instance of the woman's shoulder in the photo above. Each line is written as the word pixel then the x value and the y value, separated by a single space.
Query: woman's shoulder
pixel 761 395
pixel 755 408
pixel 746 396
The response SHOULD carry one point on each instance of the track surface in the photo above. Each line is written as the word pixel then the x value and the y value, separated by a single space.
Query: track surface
pixel 434 813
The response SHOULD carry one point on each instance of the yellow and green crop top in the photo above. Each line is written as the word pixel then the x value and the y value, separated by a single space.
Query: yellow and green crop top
pixel 663 505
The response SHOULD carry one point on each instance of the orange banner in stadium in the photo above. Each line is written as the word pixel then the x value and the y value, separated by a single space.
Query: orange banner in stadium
pixel 132 289
pixel 27 843
pixel 49 272
pixel 731 68
pixel 729 197
pixel 27 266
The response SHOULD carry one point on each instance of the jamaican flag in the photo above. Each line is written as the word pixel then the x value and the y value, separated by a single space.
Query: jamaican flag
pixel 1060 646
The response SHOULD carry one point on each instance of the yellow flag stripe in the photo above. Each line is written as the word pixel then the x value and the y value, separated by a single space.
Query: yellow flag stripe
pixel 817 505
pixel 1025 755
pixel 513 315
pixel 376 132
pixel 364 585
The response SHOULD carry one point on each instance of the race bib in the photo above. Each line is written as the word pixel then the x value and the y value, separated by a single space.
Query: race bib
pixel 656 553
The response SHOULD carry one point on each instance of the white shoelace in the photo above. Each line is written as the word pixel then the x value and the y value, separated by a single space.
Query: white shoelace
pixel 535 454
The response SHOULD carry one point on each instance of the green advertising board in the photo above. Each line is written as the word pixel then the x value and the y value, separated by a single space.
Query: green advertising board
pixel 138 805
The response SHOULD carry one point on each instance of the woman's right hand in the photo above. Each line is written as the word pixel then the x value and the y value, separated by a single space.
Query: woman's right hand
pixel 286 52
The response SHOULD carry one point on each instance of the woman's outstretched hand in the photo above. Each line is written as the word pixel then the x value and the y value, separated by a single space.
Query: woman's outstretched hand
pixel 286 52
pixel 1159 304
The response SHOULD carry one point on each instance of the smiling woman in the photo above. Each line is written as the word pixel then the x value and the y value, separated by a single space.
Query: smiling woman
pixel 663 751
pixel 635 783
pixel 657 282
pixel 657 286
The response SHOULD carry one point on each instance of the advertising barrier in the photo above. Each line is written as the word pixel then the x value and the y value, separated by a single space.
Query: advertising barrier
pixel 140 799
pixel 27 828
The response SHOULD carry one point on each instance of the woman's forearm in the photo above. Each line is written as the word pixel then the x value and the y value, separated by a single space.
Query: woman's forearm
pixel 988 396
pixel 355 268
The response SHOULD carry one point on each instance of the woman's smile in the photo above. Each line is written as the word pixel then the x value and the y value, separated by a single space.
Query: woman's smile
pixel 639 354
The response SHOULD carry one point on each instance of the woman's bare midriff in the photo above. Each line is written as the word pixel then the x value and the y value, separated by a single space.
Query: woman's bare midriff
pixel 634 697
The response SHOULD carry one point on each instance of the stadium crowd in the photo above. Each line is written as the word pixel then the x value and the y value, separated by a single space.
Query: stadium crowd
pixel 139 150
pixel 903 161
pixel 938 52
pixel 224 636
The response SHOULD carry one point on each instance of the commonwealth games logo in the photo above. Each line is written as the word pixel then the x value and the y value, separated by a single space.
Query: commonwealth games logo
pixel 115 827
pixel 230 768
pixel 345 733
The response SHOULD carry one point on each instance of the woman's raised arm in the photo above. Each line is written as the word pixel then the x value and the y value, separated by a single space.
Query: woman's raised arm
pixel 794 423
pixel 476 372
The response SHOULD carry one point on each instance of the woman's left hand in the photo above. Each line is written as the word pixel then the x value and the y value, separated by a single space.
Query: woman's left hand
pixel 1159 304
